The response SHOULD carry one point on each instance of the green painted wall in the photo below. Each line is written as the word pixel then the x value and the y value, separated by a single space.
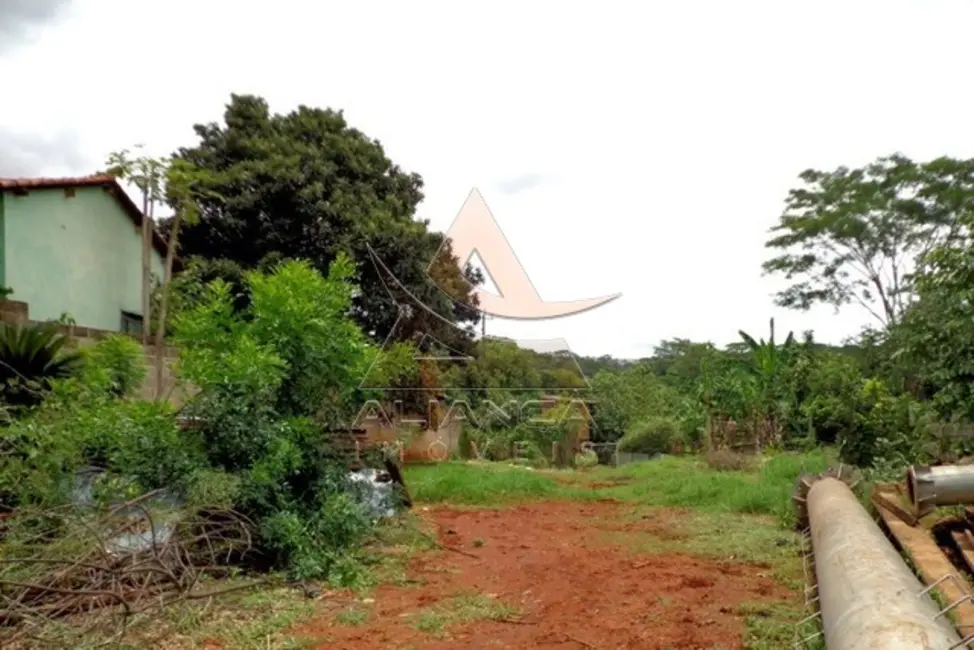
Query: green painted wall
pixel 81 255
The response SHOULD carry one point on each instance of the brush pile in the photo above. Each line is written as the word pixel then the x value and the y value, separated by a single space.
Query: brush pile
pixel 87 571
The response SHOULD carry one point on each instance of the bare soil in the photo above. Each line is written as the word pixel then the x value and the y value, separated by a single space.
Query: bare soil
pixel 558 585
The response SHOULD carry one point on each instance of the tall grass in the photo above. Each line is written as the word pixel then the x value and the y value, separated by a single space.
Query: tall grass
pixel 678 482
pixel 477 484
pixel 690 483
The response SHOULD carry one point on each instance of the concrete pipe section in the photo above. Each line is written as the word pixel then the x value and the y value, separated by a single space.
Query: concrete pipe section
pixel 945 485
pixel 868 598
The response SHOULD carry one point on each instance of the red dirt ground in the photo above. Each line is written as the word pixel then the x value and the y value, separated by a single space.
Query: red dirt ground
pixel 573 591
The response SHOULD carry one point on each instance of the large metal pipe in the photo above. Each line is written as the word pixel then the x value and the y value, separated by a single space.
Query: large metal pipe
pixel 868 598
pixel 944 485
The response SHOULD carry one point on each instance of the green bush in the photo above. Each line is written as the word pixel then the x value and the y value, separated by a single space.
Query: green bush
pixel 885 424
pixel 586 459
pixel 270 379
pixel 123 361
pixel 82 423
pixel 651 436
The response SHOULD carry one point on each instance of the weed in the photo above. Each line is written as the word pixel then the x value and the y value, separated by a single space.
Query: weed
pixel 352 617
pixel 772 626
pixel 461 609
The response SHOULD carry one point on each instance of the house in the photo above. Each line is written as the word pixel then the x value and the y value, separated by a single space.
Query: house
pixel 74 246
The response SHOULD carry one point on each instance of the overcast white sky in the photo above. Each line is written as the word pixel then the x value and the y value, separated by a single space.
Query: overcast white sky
pixel 634 147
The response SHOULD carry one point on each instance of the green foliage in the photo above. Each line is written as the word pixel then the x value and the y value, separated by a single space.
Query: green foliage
pixel 887 424
pixel 305 185
pixel 586 459
pixel 849 235
pixel 498 365
pixel 270 379
pixel 82 423
pixel 827 397
pixel 188 287
pixel 303 317
pixel 477 484
pixel 654 435
pixel 937 335
pixel 627 397
pixel 123 359
pixel 31 356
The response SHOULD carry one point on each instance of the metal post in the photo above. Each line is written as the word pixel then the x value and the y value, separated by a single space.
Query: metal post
pixel 944 485
pixel 867 596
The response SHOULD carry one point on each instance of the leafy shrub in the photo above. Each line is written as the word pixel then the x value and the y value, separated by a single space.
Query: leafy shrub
pixel 213 488
pixel 303 317
pixel 650 436
pixel 471 441
pixel 834 386
pixel 188 288
pixel 883 421
pixel 123 359
pixel 528 452
pixel 270 379
pixel 31 356
pixel 630 396
pixel 586 459
pixel 81 423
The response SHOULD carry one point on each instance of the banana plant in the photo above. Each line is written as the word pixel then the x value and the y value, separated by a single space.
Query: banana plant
pixel 767 363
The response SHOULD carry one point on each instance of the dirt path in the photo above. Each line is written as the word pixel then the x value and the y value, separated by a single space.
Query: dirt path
pixel 545 577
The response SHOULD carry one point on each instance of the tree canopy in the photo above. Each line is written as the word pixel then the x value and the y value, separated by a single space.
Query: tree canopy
pixel 857 235
pixel 306 185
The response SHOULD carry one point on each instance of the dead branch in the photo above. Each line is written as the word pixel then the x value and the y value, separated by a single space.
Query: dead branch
pixel 103 568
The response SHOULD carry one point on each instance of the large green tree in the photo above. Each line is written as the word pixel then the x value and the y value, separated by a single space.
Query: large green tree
pixel 936 337
pixel 306 185
pixel 856 236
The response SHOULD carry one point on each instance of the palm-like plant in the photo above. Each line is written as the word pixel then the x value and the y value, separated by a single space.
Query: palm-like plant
pixel 767 358
pixel 767 363
pixel 30 357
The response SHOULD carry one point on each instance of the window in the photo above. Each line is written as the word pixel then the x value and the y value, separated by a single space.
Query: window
pixel 131 323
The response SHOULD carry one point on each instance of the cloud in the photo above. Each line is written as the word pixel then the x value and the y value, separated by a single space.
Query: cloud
pixel 521 183
pixel 20 18
pixel 30 154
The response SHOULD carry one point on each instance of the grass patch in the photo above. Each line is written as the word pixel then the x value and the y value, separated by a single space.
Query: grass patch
pixel 740 538
pixel 462 609
pixel 352 617
pixel 765 488
pixel 772 626
pixel 387 558
pixel 688 482
pixel 478 484
pixel 248 621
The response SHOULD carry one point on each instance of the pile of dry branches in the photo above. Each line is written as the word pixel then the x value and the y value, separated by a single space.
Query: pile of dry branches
pixel 87 572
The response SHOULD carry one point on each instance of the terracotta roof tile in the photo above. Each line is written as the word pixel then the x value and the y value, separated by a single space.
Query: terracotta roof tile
pixel 54 183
